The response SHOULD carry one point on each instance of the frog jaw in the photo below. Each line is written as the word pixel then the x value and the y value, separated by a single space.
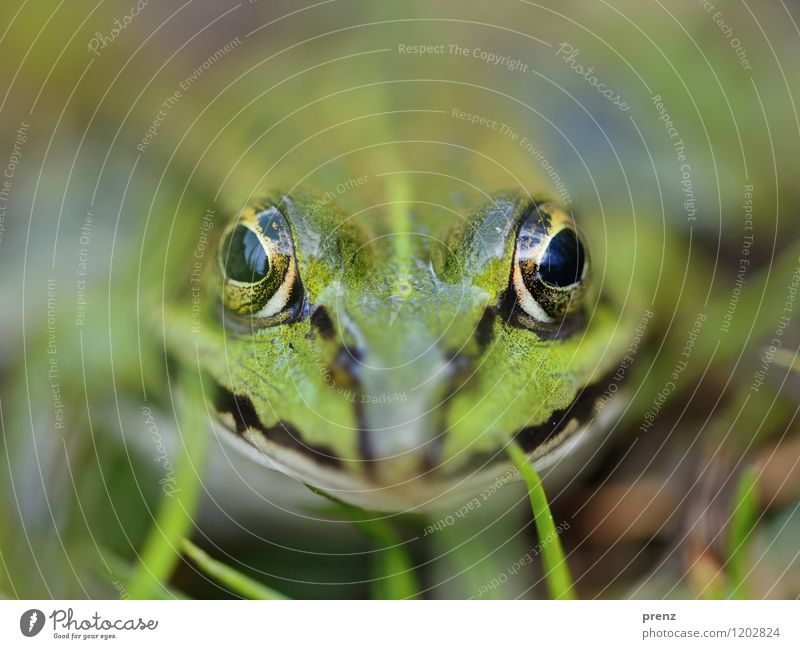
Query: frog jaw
pixel 555 461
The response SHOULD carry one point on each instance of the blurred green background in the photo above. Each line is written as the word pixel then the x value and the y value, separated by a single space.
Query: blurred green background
pixel 89 188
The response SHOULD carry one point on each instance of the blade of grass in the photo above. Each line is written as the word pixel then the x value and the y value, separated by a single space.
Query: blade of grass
pixel 557 576
pixel 173 522
pixel 743 520
pixel 116 573
pixel 232 579
pixel 394 572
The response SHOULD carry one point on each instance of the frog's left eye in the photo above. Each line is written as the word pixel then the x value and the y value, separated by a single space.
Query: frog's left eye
pixel 258 266
pixel 551 267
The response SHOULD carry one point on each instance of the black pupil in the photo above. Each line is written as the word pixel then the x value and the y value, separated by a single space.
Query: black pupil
pixel 563 259
pixel 246 260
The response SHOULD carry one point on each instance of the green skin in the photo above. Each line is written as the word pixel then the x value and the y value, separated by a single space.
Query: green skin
pixel 406 267
pixel 407 363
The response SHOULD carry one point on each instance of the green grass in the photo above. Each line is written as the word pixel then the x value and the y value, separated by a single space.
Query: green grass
pixel 556 570
pixel 226 576
pixel 393 571
pixel 743 521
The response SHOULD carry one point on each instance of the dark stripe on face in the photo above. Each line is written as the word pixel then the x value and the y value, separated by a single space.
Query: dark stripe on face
pixel 581 409
pixel 511 314
pixel 345 370
pixel 530 438
pixel 321 321
pixel 283 434
pixel 484 330
pixel 458 370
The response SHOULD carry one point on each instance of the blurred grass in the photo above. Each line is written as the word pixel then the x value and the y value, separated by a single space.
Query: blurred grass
pixel 177 511
pixel 393 573
pixel 742 527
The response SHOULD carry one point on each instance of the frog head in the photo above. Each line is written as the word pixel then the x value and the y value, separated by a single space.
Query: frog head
pixel 391 367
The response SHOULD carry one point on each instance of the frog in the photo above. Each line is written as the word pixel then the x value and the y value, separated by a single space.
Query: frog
pixel 418 259
pixel 390 368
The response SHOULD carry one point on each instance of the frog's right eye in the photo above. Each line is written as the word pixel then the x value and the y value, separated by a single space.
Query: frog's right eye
pixel 258 266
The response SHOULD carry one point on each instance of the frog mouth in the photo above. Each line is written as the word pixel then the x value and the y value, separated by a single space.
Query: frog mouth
pixel 282 448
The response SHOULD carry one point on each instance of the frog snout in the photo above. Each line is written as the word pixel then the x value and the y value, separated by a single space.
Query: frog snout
pixel 399 378
pixel 401 414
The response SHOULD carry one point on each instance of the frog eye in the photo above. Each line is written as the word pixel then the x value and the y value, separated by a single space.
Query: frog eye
pixel 551 267
pixel 258 265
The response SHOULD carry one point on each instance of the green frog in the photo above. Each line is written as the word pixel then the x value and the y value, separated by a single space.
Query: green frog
pixel 366 256
pixel 390 367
